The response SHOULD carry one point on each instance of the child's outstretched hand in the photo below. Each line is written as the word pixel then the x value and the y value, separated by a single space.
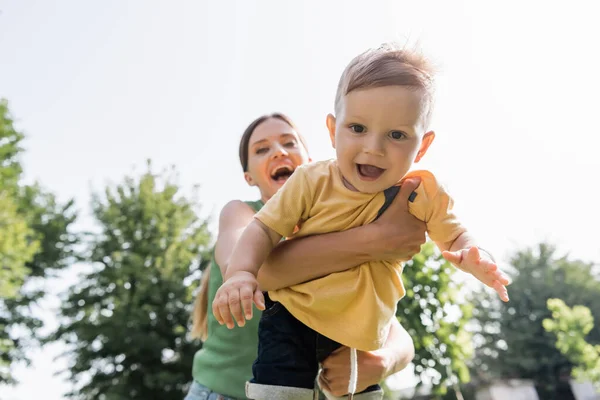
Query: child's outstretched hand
pixel 484 269
pixel 235 297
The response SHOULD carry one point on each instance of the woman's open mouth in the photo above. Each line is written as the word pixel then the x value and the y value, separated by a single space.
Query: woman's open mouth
pixel 281 173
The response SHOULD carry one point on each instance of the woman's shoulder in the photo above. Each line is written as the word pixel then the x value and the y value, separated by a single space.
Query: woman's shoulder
pixel 237 207
pixel 235 210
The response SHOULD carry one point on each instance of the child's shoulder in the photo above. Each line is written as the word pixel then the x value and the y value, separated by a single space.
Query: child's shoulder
pixel 428 179
pixel 430 187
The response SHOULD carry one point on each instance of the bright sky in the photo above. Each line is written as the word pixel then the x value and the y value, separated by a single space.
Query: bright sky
pixel 99 87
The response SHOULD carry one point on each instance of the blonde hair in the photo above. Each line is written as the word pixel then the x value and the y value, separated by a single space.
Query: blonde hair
pixel 200 313
pixel 389 65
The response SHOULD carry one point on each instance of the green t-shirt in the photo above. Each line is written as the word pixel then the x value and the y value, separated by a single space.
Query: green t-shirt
pixel 224 363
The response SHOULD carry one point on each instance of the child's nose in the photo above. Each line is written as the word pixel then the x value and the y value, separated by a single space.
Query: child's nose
pixel 374 145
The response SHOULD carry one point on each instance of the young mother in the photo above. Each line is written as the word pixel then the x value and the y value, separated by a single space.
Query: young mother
pixel 270 150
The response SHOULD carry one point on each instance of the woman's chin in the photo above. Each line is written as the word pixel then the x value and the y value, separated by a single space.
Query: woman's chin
pixel 277 184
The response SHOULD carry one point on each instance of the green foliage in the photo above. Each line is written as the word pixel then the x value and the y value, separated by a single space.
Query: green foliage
pixel 15 251
pixel 51 221
pixel 10 149
pixel 435 317
pixel 511 341
pixel 16 244
pixel 16 248
pixel 125 324
pixel 571 325
pixel 34 241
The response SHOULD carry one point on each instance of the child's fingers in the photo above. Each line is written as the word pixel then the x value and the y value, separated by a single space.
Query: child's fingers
pixel 501 290
pixel 223 310
pixel 501 277
pixel 247 296
pixel 490 267
pixel 235 307
pixel 259 299
pixel 217 312
pixel 496 273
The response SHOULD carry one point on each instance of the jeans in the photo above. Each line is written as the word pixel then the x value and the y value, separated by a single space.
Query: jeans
pixel 200 392
pixel 289 352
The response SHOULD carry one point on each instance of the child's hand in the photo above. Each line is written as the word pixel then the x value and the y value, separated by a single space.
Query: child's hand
pixel 240 289
pixel 484 269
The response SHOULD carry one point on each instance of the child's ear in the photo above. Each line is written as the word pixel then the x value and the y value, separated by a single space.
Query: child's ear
pixel 331 128
pixel 425 143
pixel 249 179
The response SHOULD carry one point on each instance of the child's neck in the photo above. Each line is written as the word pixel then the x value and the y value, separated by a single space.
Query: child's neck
pixel 348 184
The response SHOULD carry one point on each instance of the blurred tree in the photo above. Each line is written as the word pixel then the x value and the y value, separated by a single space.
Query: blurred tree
pixel 16 248
pixel 125 324
pixel 15 251
pixel 435 314
pixel 10 149
pixel 34 241
pixel 571 325
pixel 510 339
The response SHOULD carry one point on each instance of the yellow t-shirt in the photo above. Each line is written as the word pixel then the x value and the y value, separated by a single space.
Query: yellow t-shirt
pixel 354 307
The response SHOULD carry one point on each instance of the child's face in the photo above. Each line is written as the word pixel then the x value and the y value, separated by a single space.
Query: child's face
pixel 377 135
pixel 274 152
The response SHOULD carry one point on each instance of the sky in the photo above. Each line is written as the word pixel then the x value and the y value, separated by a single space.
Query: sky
pixel 100 87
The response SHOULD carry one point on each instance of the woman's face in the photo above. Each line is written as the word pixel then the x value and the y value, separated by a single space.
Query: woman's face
pixel 274 152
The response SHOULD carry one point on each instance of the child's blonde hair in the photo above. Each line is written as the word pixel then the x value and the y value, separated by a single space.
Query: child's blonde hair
pixel 389 65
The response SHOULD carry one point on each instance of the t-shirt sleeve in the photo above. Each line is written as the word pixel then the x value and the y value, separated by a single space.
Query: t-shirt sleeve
pixel 443 225
pixel 289 206
pixel 434 205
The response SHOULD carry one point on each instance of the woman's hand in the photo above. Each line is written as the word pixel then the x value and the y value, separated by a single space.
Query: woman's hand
pixel 335 375
pixel 397 234
pixel 373 366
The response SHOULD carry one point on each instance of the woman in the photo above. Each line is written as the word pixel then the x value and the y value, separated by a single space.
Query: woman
pixel 270 150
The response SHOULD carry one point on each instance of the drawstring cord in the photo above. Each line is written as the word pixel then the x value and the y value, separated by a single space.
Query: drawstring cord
pixel 353 373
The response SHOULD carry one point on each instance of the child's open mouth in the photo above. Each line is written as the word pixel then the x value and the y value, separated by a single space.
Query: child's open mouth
pixel 369 172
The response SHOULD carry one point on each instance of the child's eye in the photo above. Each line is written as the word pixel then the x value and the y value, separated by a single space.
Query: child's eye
pixel 358 128
pixel 290 144
pixel 397 135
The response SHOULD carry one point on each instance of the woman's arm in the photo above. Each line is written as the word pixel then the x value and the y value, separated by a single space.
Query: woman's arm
pixel 374 366
pixel 397 234
pixel 234 218
pixel 398 352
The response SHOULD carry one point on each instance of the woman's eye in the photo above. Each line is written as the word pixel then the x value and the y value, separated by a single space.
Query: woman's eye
pixel 262 150
pixel 397 135
pixel 357 128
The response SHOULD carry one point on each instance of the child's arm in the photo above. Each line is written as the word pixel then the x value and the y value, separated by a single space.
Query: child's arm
pixel 240 287
pixel 465 255
pixel 276 219
pixel 397 235
pixel 457 245
pixel 252 249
